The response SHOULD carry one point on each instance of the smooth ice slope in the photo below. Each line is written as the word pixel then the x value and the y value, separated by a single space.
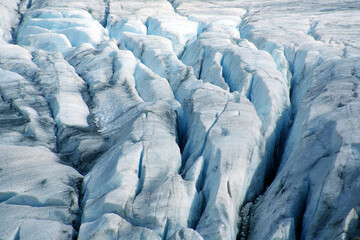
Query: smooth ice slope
pixel 179 120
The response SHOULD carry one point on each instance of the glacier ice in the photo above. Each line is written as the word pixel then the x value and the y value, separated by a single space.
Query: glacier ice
pixel 57 30
pixel 37 192
pixel 178 120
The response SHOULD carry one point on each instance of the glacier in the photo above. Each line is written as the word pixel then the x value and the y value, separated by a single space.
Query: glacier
pixel 179 120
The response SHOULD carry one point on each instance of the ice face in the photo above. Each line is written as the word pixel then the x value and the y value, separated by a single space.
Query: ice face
pixel 179 119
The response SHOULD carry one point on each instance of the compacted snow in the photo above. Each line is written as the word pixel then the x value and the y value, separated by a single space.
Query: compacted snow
pixel 180 119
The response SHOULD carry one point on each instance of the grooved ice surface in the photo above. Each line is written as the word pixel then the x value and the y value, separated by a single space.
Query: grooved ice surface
pixel 189 119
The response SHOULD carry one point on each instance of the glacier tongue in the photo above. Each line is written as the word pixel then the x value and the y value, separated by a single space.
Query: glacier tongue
pixel 178 120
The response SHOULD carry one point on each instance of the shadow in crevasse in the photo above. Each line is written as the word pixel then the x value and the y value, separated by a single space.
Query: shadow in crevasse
pixel 264 176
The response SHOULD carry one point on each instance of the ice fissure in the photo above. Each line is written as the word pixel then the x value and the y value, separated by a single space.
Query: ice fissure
pixel 173 120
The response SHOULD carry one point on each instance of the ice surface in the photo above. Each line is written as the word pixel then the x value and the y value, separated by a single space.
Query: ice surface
pixel 112 226
pixel 285 230
pixel 186 233
pixel 62 87
pixel 178 115
pixel 38 126
pixel 9 18
pixel 179 30
pixel 144 174
pixel 66 93
pixel 229 157
pixel 37 192
pixel 57 30
pixel 96 8
pixel 327 140
pixel 130 16
pixel 49 230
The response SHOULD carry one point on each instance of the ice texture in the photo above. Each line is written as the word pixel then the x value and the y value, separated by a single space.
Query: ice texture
pixel 37 193
pixel 179 120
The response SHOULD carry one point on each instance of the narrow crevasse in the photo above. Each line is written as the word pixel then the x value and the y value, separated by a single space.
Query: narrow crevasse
pixel 316 145
pixel 217 54
pixel 37 190
pixel 43 97
pixel 235 64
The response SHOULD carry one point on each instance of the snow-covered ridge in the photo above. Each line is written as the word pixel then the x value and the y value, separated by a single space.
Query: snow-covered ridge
pixel 176 119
